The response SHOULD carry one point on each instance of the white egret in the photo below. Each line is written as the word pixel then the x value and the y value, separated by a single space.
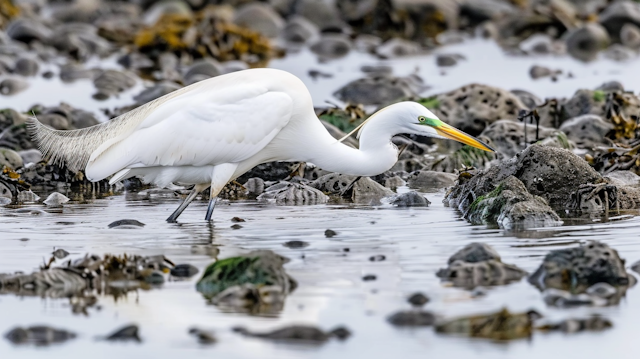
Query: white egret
pixel 213 131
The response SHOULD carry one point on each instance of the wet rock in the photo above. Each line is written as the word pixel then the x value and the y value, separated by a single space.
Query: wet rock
pixel 394 182
pixel 56 199
pixel 575 269
pixel 563 299
pixel 623 178
pixel 537 72
pixel 204 337
pixel 272 171
pixel 60 253
pixel 296 244
pixel 286 193
pixel 300 30
pixel 12 86
pixel 30 156
pixel 630 36
pixel 479 265
pixel 412 318
pixel 26 30
pixel 473 13
pixel 587 131
pixel 156 91
pixel 330 233
pixel 259 17
pixel 594 323
pixel 26 67
pixel 361 190
pixel 126 223
pixel 585 42
pixel 502 325
pixel 112 82
pixel 27 197
pixel 38 335
pixel 331 46
pixel 430 181
pixel 618 14
pixel 184 271
pixel 528 99
pixel 379 90
pixel 617 52
pixel 255 282
pixel 369 277
pixel 202 70
pixel 377 258
pixel 126 333
pixel 508 137
pixel 322 14
pixel 397 47
pixel 171 7
pixel 299 333
pixel 255 186
pixel 448 60
pixel 79 41
pixel 410 199
pixel 473 107
pixel 10 159
pixel 418 299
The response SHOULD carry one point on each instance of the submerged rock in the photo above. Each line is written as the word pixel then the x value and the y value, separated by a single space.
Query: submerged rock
pixel 259 17
pixel 38 335
pixel 479 265
pixel 127 333
pixel 412 318
pixel 502 325
pixel 594 323
pixel 430 181
pixel 56 199
pixel 410 199
pixel 286 193
pixel 299 333
pixel 361 190
pixel 378 90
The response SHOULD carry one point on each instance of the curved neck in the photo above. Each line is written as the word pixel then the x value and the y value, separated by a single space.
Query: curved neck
pixel 377 153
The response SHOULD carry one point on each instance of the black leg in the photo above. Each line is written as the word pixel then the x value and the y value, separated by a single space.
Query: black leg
pixel 172 218
pixel 212 205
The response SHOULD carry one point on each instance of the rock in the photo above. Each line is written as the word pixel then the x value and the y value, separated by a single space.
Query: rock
pixel 169 7
pixel 507 137
pixel 394 182
pixel 377 258
pixel 322 14
pixel 410 199
pixel 620 53
pixel 361 190
pixel 27 197
pixel 584 102
pixel 630 36
pixel 412 318
pixel 594 323
pixel 202 70
pixel 27 30
pixel 331 46
pixel 30 156
pixel 474 13
pixel 585 42
pixel 296 244
pixel 300 30
pixel 587 131
pixel 26 67
pixel 126 333
pixel 369 277
pixel 448 60
pixel 299 333
pixel 10 159
pixel 184 271
pixel 12 86
pixel 203 337
pixel 286 193
pixel 38 335
pixel 473 107
pixel 330 233
pixel 56 199
pixel 272 171
pixel 602 290
pixel 418 299
pixel 623 178
pixel 156 91
pixel 60 253
pixel 480 272
pixel 379 90
pixel 611 86
pixel 430 181
pixel 255 187
pixel 617 15
pixel 537 72
pixel 126 223
pixel 112 82
pixel 502 325
pixel 397 47
pixel 564 299
pixel 259 17
pixel 575 269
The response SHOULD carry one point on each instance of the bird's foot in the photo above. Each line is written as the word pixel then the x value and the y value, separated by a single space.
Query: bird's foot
pixel 212 205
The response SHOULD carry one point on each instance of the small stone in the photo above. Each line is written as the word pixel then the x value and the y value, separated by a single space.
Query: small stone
pixel 630 35
pixel 27 197
pixel 126 333
pixel 329 233
pixel 537 72
pixel 38 335
pixel 585 42
pixel 369 277
pixel 377 258
pixel 184 271
pixel 296 244
pixel 418 299
pixel 10 158
pixel 237 219
pixel 126 223
pixel 475 252
pixel 448 60
pixel 236 226
pixel 412 318
pixel 203 337
pixel 154 277
pixel 60 253
pixel 56 199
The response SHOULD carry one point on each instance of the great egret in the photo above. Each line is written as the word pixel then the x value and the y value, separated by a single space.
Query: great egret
pixel 213 131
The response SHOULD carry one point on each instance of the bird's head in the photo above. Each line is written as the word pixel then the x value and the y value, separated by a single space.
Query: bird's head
pixel 417 119
pixel 413 118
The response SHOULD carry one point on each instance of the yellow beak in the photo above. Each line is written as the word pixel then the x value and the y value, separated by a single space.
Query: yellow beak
pixel 453 133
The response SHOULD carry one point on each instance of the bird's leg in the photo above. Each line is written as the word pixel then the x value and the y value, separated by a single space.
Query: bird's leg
pixel 194 192
pixel 221 175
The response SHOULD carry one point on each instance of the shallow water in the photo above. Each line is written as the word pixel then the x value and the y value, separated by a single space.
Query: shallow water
pixel 416 242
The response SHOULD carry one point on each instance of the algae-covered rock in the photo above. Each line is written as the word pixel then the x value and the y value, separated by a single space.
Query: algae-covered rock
pixel 502 325
pixel 479 265
pixel 256 282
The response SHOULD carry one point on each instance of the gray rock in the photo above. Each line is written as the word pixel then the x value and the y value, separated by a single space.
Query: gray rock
pixel 394 182
pixel 618 14
pixel 448 60
pixel 38 335
pixel 537 72
pixel 354 10
pixel 113 82
pixel 587 131
pixel 56 199
pixel 26 67
pixel 617 52
pixel 507 137
pixel 167 7
pixel 259 17
pixel 27 30
pixel 623 178
pixel 322 13
pixel 11 86
pixel 475 252
pixel 332 46
pixel 55 121
pixel 299 333
pixel 584 102
pixel 430 181
pixel 286 193
pixel 361 190
pixel 611 86
pixel 410 199
pixel 578 268
pixel 585 42
pixel 379 90
pixel 397 47
pixel 255 186
pixel 418 299
pixel 528 99
pixel 126 333
pixel 630 36
pixel 594 323
pixel 156 91
pixel 10 159
pixel 184 271
pixel 300 30
pixel 412 318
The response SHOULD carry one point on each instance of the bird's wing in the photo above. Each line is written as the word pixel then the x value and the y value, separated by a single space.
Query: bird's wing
pixel 201 131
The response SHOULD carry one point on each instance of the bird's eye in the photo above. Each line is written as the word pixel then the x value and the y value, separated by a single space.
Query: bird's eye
pixel 422 119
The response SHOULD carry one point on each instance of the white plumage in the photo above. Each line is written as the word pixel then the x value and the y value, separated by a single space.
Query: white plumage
pixel 213 131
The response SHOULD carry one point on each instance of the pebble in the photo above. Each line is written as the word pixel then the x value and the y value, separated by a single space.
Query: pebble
pixel 369 277
pixel 296 244
pixel 38 335
pixel 184 271
pixel 60 253
pixel 412 318
pixel 126 222
pixel 329 233
pixel 418 299
pixel 126 333
pixel 56 199
pixel 203 337
pixel 377 258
